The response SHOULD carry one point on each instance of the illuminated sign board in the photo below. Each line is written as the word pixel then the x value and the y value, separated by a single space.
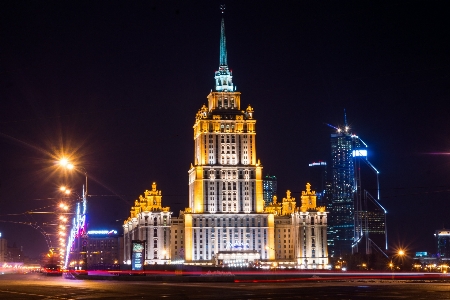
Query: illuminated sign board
pixel 137 255
pixel 102 232
pixel 359 153
pixel 238 245
pixel 320 163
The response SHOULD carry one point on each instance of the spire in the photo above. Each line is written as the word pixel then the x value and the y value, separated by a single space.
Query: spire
pixel 223 77
pixel 223 41
pixel 345 118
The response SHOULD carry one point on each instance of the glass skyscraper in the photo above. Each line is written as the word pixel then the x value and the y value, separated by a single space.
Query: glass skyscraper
pixel 355 215
pixel 269 189
pixel 342 216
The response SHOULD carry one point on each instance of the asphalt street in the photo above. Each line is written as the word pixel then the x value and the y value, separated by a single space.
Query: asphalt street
pixel 37 286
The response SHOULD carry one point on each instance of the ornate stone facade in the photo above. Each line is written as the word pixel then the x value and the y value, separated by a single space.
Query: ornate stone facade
pixel 149 222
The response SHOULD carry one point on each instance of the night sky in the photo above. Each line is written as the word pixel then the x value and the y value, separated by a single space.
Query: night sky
pixel 116 85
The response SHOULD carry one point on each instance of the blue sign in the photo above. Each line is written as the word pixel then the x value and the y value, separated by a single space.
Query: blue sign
pixel 137 255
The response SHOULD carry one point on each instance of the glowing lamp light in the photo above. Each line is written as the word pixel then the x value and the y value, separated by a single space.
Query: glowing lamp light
pixel 64 162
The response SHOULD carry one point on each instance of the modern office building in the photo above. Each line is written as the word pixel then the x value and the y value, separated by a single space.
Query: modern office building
pixel 269 188
pixel 443 243
pixel 370 215
pixel 357 219
pixel 104 249
pixel 342 214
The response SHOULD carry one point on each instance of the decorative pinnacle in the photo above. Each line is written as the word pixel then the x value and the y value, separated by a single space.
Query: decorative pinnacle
pixel 222 8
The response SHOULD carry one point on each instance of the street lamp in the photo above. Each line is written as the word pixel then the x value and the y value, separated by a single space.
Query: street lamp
pixel 391 265
pixel 65 163
pixel 401 254
pixel 82 249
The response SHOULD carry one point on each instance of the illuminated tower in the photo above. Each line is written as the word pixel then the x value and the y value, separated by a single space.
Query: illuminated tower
pixel 342 221
pixel 225 182
pixel 356 216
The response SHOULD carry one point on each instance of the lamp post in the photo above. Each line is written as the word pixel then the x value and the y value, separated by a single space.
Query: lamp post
pixel 401 254
pixel 62 227
pixel 82 249
pixel 65 239
pixel 65 163
pixel 396 260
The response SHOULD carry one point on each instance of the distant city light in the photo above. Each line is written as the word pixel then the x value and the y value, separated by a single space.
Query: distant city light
pixel 102 232
pixel 320 163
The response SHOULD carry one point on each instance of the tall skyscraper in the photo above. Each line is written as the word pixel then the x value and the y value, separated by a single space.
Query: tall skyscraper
pixel 370 215
pixel 269 189
pixel 225 181
pixel 356 216
pixel 227 221
pixel 342 220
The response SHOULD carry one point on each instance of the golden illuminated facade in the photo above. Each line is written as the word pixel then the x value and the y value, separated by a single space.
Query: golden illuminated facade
pixel 149 222
pixel 227 219
pixel 310 222
pixel 226 206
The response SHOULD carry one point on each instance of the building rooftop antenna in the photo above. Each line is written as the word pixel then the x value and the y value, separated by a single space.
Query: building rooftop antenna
pixel 345 118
